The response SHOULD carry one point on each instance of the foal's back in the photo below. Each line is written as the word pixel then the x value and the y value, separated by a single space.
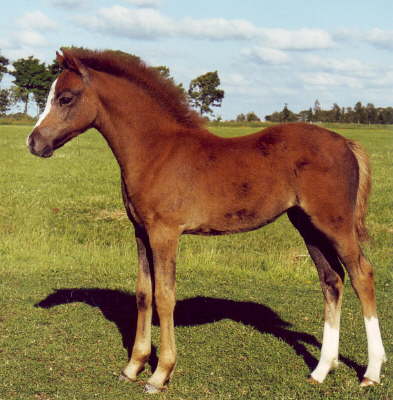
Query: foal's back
pixel 213 185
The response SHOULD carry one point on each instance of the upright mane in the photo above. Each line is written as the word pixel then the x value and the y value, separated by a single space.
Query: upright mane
pixel 131 67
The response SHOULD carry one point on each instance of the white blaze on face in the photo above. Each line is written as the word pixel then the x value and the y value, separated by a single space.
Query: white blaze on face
pixel 48 104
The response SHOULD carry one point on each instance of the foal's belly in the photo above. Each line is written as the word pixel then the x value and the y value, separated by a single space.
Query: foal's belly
pixel 235 221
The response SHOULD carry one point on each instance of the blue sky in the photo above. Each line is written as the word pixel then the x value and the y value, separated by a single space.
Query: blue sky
pixel 267 53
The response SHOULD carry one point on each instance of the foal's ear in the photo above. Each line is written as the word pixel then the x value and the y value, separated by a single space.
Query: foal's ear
pixel 60 59
pixel 72 63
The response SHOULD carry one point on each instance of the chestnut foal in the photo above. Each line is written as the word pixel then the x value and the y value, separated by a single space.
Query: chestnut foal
pixel 179 178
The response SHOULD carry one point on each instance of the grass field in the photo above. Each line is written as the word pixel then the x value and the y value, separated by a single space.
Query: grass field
pixel 249 313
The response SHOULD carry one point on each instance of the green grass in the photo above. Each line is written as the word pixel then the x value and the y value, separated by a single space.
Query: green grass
pixel 249 315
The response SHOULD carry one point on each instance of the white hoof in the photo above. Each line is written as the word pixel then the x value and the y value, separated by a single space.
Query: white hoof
pixel 367 382
pixel 150 389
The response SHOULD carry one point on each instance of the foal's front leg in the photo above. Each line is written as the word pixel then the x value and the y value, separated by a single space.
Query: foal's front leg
pixel 142 345
pixel 164 246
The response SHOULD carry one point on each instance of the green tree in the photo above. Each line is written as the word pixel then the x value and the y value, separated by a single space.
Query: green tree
pixel 360 113
pixel 5 101
pixel 306 115
pixel 204 93
pixel 309 115
pixel 285 113
pixel 371 113
pixel 166 73
pixel 18 95
pixel 317 110
pixel 32 77
pixel 55 68
pixel 240 118
pixel 252 117
pixel 3 66
pixel 335 113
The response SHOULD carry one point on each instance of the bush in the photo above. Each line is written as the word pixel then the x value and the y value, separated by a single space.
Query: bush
pixel 17 119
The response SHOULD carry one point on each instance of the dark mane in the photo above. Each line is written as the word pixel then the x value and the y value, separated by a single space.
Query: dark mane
pixel 118 63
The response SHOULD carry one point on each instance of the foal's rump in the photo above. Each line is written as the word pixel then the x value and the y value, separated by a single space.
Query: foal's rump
pixel 324 170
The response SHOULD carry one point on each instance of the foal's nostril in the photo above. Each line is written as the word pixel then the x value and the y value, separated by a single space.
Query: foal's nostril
pixel 30 141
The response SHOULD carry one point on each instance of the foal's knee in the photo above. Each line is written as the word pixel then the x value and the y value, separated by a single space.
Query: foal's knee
pixel 142 301
pixel 165 301
pixel 333 286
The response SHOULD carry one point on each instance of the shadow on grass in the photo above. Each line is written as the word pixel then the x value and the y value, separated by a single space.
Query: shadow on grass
pixel 120 308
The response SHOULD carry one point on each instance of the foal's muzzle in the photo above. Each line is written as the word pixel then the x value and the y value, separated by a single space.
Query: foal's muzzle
pixel 38 145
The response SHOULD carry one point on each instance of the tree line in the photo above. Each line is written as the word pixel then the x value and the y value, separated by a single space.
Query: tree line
pixel 33 79
pixel 359 114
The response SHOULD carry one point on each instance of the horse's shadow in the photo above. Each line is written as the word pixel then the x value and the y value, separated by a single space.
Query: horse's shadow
pixel 120 308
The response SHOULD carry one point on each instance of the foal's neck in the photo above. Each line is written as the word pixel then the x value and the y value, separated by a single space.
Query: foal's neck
pixel 133 123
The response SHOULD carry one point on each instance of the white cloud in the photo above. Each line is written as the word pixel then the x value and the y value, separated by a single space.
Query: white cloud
pixel 29 38
pixel 234 79
pixel 323 80
pixel 23 39
pixel 216 29
pixel 69 5
pixel 5 43
pixel 140 24
pixel 234 82
pixel 36 20
pixel 265 55
pixel 301 39
pixel 377 37
pixel 349 66
pixel 147 23
pixel 144 3
pixel 380 38
pixel 384 80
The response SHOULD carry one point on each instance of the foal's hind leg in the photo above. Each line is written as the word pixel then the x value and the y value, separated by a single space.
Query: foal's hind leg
pixel 362 279
pixel 331 276
pixel 345 241
pixel 144 293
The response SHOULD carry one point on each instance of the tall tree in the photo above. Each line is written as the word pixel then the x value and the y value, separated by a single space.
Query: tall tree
pixel 317 110
pixel 252 117
pixel 360 113
pixel 3 66
pixel 309 115
pixel 204 93
pixel 240 118
pixel 5 101
pixel 18 95
pixel 54 68
pixel 285 113
pixel 371 113
pixel 32 77
pixel 336 113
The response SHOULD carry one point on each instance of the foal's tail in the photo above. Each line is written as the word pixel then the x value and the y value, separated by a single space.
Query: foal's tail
pixel 363 189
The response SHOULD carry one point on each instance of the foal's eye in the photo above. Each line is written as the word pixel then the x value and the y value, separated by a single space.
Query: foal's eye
pixel 65 100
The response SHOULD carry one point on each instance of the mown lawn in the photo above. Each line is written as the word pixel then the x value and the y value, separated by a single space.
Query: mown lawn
pixel 249 316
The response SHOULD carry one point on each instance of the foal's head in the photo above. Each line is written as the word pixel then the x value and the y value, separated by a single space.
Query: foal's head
pixel 71 108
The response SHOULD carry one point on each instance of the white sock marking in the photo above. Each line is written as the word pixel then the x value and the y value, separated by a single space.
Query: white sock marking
pixel 329 352
pixel 376 352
